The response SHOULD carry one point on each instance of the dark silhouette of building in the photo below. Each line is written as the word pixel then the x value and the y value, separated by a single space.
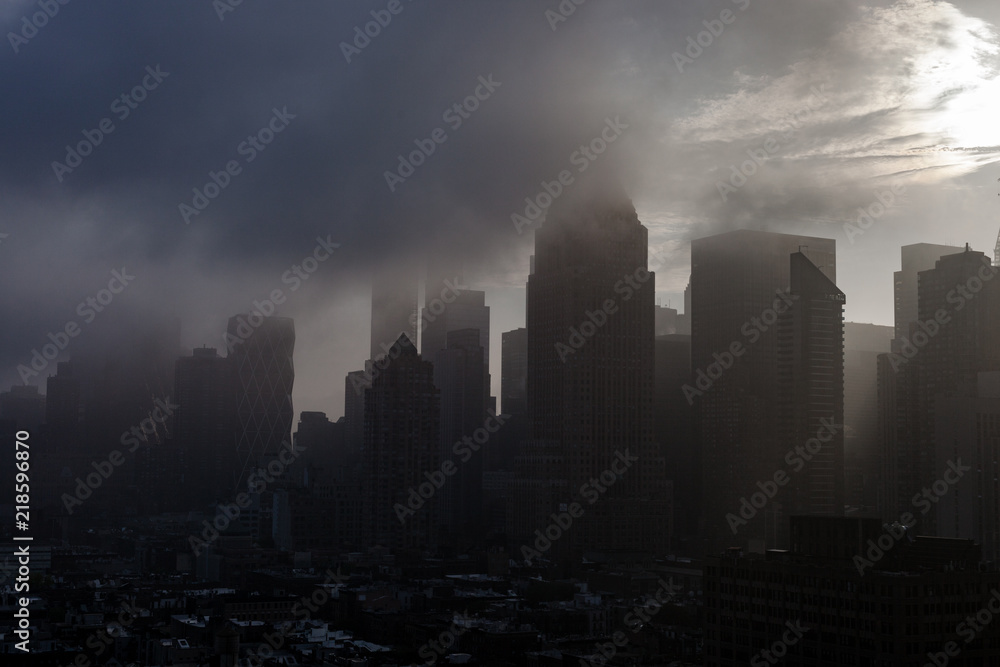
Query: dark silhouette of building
pixel 955 341
pixel 862 442
pixel 263 375
pixel 902 468
pixel 402 453
pixel 458 375
pixel 835 599
pixel 811 391
pixel 204 390
pixel 590 386
pixel 673 432
pixel 739 288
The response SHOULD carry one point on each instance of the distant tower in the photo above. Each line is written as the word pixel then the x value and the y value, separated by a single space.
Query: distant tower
pixel 263 375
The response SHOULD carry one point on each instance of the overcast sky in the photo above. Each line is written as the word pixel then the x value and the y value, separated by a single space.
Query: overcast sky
pixel 841 101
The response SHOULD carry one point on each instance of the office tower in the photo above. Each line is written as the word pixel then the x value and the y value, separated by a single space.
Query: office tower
pixel 907 454
pixel 590 381
pixel 739 288
pixel 955 341
pixel 204 392
pixel 402 443
pixel 394 307
pixel 263 375
pixel 913 259
pixel 810 368
pixel 24 406
pixel 824 604
pixel 450 307
pixel 458 375
pixel 673 429
pixel 862 442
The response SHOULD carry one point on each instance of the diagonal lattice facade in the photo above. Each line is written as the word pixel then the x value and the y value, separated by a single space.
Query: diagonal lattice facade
pixel 263 379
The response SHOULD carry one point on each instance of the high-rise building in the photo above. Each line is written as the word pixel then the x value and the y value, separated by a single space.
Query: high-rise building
pixel 739 288
pixel 263 375
pixel 590 386
pixel 458 374
pixel 955 341
pixel 913 259
pixel 862 452
pixel 402 443
pixel 968 442
pixel 672 429
pixel 394 308
pixel 811 392
pixel 204 392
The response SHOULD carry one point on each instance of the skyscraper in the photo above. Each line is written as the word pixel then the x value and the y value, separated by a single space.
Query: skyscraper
pixel 402 413
pixel 739 288
pixel 203 388
pixel 458 375
pixel 263 375
pixel 590 379
pixel 811 390
pixel 862 442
